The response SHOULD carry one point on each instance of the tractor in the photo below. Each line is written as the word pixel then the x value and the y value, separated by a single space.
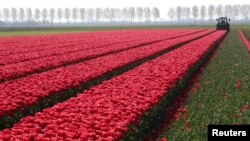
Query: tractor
pixel 223 23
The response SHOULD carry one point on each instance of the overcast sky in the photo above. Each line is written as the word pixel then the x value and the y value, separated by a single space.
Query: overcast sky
pixel 163 5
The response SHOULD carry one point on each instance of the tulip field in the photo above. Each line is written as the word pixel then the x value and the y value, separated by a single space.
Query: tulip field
pixel 110 85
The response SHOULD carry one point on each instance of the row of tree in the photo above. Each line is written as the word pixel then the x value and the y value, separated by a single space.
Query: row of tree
pixel 202 13
pixel 130 14
pixel 45 15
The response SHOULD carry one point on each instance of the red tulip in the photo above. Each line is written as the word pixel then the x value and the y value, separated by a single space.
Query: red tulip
pixel 164 139
pixel 106 110
pixel 238 84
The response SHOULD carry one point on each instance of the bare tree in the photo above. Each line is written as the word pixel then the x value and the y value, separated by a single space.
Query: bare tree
pixel 131 13
pixel 211 11
pixel 90 13
pixel 37 14
pixel 111 14
pixel 98 13
pixel 14 14
pixel 82 14
pixel 248 11
pixel 218 10
pixel 6 14
pixel 1 15
pixel 188 14
pixel 125 13
pixel 139 13
pixel 147 14
pixel 178 13
pixel 52 15
pixel 184 13
pixel 75 14
pixel 203 13
pixel 106 14
pixel 171 14
pixel 21 14
pixel 228 10
pixel 118 14
pixel 29 14
pixel 236 10
pixel 195 12
pixel 44 15
pixel 244 11
pixel 59 14
pixel 67 14
pixel 156 13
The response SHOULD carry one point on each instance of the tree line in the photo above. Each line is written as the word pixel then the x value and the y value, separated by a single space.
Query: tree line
pixel 79 15
pixel 179 14
pixel 209 13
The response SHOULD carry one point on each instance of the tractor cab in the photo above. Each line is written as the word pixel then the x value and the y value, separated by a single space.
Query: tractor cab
pixel 223 23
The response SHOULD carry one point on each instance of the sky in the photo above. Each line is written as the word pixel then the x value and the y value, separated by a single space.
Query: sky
pixel 163 5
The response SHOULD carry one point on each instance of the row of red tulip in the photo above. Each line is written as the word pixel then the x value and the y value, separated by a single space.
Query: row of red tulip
pixel 245 40
pixel 21 93
pixel 37 65
pixel 105 111
pixel 45 41
pixel 20 43
pixel 83 41
pixel 81 46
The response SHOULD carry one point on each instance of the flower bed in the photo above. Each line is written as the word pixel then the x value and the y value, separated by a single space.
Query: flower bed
pixel 105 111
